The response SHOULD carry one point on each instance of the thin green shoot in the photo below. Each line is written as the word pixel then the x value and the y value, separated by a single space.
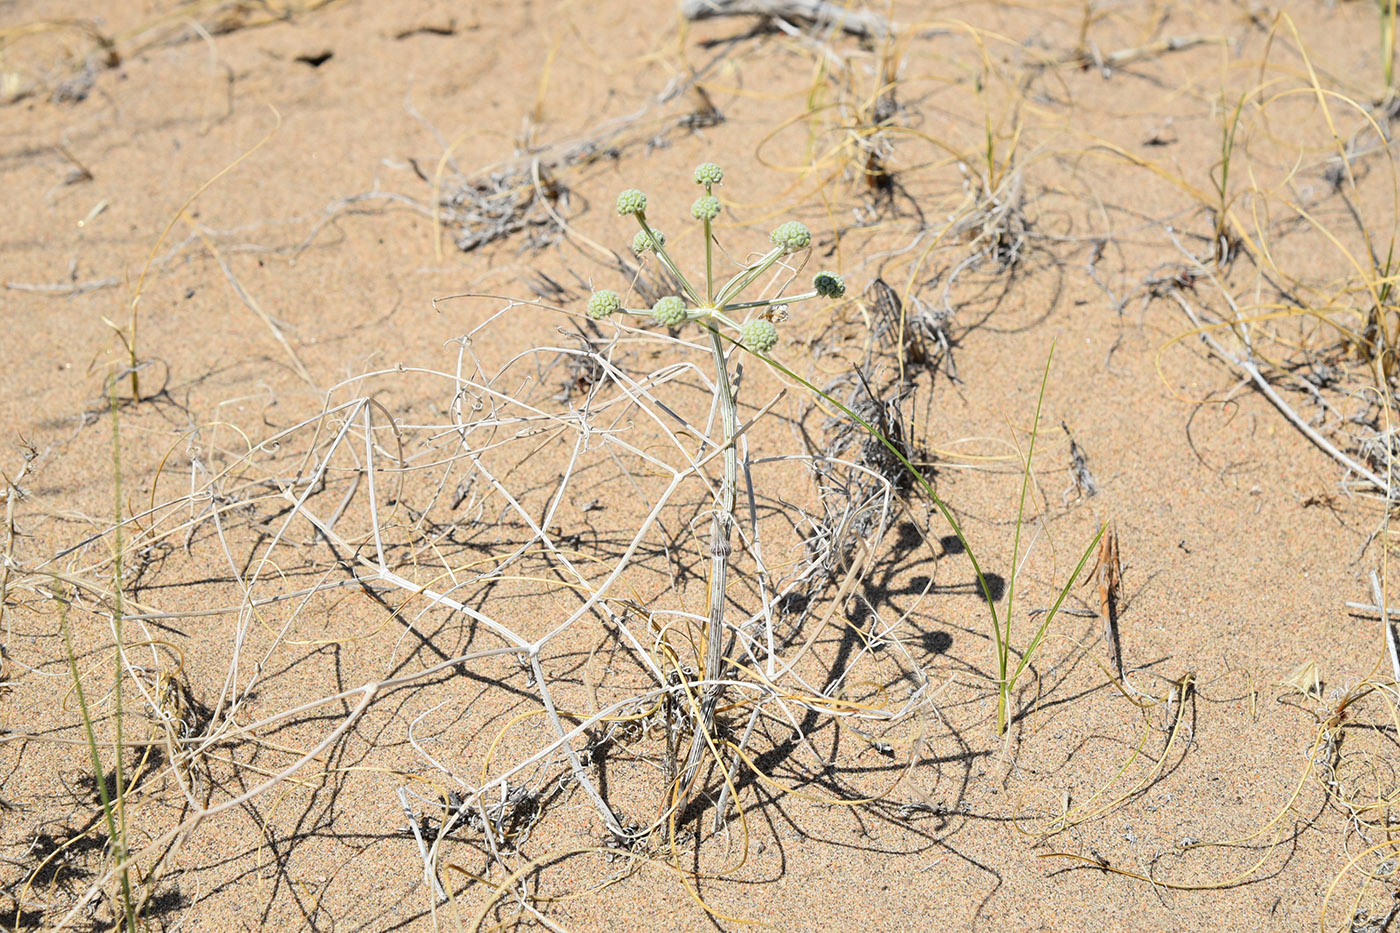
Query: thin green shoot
pixel 1388 10
pixel 1000 623
pixel 1222 180
pixel 99 772
pixel 119 841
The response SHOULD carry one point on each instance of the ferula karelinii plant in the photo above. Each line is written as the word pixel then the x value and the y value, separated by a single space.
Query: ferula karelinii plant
pixel 720 308
pixel 717 310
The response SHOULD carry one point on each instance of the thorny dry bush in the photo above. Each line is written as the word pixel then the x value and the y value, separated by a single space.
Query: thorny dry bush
pixel 477 544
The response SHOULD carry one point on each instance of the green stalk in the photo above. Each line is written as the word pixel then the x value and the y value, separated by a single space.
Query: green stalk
pixel 666 260
pixel 927 487
pixel 1388 44
pixel 769 302
pixel 746 277
pixel 135 378
pixel 93 753
pixel 1004 643
pixel 721 529
pixel 709 260
pixel 722 526
pixel 119 841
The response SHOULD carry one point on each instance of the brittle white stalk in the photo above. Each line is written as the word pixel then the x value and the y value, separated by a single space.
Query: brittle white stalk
pixel 714 311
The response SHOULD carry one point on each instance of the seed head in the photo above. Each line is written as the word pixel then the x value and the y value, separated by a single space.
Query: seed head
pixel 669 311
pixel 603 303
pixel 705 208
pixel 791 236
pixel 829 285
pixel 708 173
pixel 644 241
pixel 759 335
pixel 631 201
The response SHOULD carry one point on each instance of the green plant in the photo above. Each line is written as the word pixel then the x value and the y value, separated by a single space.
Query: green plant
pixel 1007 676
pixel 113 811
pixel 1001 623
pixel 714 309
pixel 1223 242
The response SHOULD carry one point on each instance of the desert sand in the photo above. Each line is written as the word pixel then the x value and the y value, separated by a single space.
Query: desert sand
pixel 388 569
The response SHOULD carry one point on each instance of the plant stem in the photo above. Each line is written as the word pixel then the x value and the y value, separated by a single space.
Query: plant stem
pixel 769 302
pixel 119 841
pixel 709 260
pixel 744 278
pixel 666 260
pixel 98 771
pixel 1004 683
pixel 721 529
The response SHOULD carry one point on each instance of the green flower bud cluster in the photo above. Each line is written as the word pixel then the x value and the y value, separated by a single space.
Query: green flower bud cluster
pixel 708 173
pixel 713 304
pixel 759 335
pixel 631 201
pixel 604 303
pixel 648 240
pixel 791 236
pixel 669 311
pixel 829 285
pixel 706 208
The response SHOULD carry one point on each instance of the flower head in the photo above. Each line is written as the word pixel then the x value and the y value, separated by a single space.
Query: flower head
pixel 669 311
pixel 603 303
pixel 759 335
pixel 631 201
pixel 708 173
pixel 644 241
pixel 829 285
pixel 705 208
pixel 791 236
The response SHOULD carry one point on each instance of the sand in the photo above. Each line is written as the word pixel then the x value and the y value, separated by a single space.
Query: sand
pixel 286 187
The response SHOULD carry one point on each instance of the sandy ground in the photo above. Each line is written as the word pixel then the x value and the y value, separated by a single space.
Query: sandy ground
pixel 286 186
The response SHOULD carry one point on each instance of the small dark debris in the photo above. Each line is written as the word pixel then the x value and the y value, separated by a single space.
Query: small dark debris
pixel 1335 175
pixel 1084 484
pixel 76 89
pixel 586 370
pixel 315 59
pixel 909 809
pixel 448 28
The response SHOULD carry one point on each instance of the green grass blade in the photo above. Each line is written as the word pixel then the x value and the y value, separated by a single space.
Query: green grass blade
pixel 119 840
pixel 99 772
pixel 1049 616
pixel 913 470
pixel 1005 645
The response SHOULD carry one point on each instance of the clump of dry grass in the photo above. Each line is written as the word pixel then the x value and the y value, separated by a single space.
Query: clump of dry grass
pixel 63 58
